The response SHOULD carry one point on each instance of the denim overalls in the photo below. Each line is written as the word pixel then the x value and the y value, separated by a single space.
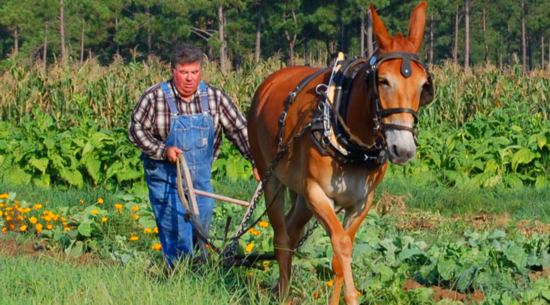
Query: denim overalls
pixel 194 134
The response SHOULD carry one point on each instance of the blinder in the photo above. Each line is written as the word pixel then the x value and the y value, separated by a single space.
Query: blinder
pixel 427 95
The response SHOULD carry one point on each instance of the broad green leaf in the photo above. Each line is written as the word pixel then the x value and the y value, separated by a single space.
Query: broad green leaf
pixel 42 180
pixel 19 176
pixel 386 273
pixel 85 229
pixel 93 166
pixel 76 249
pixel 407 253
pixel 514 181
pixel 72 177
pixel 466 278
pixel 541 181
pixel 516 255
pixel 40 164
pixel 50 143
pixel 541 140
pixel 128 174
pixel 446 269
pixel 522 156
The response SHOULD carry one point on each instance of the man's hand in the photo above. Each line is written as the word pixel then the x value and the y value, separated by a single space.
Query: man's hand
pixel 256 175
pixel 172 153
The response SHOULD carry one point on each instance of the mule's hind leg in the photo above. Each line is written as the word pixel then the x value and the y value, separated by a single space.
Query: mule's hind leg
pixel 275 201
pixel 297 218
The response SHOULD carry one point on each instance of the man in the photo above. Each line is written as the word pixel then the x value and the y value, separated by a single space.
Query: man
pixel 183 116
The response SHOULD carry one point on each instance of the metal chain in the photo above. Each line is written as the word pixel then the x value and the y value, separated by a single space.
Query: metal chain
pixel 229 254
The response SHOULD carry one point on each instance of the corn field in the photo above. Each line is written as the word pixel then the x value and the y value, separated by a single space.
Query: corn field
pixel 67 124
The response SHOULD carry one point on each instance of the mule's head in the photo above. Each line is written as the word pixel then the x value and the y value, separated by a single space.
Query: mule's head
pixel 400 84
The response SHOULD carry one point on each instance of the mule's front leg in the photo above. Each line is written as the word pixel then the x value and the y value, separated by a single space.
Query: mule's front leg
pixel 321 206
pixel 354 217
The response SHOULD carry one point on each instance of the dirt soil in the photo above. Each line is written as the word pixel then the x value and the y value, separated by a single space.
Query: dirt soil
pixel 11 248
pixel 442 293
pixel 394 206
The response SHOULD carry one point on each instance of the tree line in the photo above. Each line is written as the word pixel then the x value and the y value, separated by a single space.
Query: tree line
pixel 232 32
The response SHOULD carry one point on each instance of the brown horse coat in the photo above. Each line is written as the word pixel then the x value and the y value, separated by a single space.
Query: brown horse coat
pixel 318 182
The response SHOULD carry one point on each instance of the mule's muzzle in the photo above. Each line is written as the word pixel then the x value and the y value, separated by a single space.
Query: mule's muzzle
pixel 401 146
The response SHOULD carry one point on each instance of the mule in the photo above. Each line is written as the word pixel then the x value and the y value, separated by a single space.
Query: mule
pixel 381 99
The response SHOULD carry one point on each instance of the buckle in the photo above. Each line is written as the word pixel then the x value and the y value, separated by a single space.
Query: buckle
pixel 377 126
pixel 282 118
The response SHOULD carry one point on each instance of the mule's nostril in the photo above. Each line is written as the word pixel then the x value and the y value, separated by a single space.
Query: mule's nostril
pixel 396 150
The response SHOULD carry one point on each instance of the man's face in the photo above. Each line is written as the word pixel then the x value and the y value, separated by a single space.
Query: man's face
pixel 187 78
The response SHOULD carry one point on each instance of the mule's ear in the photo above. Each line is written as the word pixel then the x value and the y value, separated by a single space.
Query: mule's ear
pixel 417 24
pixel 383 38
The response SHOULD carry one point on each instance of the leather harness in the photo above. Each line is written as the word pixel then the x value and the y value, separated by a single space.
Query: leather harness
pixel 330 116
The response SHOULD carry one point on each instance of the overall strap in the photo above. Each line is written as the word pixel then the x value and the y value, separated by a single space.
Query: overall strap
pixel 205 107
pixel 169 96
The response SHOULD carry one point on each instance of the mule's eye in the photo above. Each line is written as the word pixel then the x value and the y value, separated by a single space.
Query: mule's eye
pixel 383 82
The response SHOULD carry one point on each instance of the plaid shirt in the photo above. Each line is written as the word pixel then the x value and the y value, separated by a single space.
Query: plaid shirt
pixel 150 122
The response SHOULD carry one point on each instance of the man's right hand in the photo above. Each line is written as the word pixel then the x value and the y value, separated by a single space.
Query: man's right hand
pixel 172 153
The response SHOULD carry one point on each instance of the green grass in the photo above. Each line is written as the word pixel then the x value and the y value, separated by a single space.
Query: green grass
pixel 47 280
pixel 522 203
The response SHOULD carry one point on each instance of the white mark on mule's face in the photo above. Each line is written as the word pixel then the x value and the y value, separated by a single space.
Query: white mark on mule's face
pixel 401 146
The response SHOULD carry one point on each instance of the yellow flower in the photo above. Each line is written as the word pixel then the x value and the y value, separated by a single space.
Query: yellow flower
pixel 47 218
pixel 257 233
pixel 1 214
pixel 23 228
pixel 263 224
pixel 67 229
pixel 81 201
pixel 156 230
pixel 16 201
pixel 136 216
pixel 134 238
pixel 64 224
pixel 135 208
pixel 4 229
pixel 49 227
pixel 63 219
pixel 104 219
pixel 95 212
pixel 19 217
pixel 156 247
pixel 33 220
pixel 249 247
pixel 38 227
pixel 316 295
pixel 148 231
pixel 100 200
pixel 329 283
pixel 2 205
pixel 118 206
pixel 4 196
pixel 8 218
pixel 251 230
pixel 358 292
pixel 38 206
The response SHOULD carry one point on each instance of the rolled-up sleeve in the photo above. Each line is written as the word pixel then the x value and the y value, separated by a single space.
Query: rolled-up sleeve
pixel 234 125
pixel 140 129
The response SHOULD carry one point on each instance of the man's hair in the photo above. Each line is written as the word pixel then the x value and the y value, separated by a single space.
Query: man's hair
pixel 186 53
